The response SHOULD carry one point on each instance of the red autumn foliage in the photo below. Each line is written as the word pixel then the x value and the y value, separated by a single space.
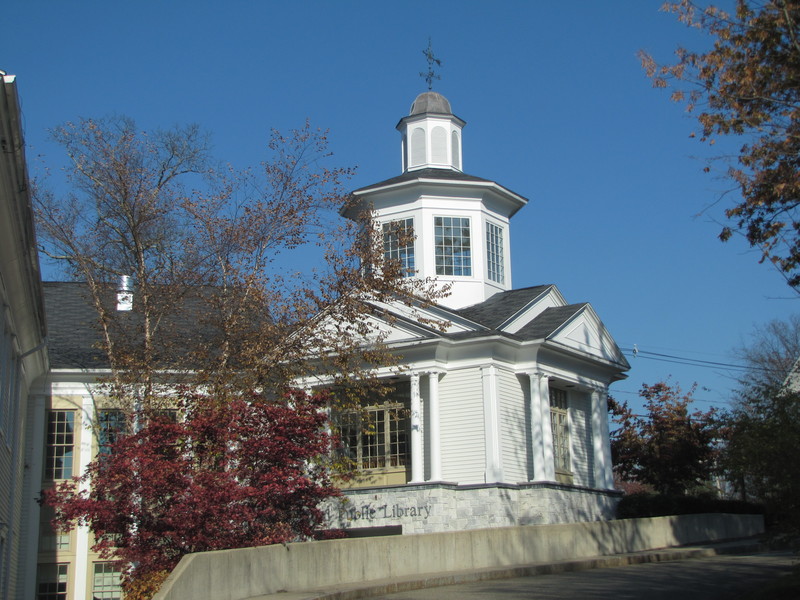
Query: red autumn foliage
pixel 246 472
pixel 669 448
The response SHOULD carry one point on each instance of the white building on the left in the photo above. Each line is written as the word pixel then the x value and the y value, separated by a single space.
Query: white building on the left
pixel 23 357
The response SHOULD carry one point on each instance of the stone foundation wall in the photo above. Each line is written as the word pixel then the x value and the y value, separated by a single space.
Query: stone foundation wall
pixel 431 508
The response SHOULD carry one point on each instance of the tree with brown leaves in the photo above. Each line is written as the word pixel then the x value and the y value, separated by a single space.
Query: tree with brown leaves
pixel 748 86
pixel 218 321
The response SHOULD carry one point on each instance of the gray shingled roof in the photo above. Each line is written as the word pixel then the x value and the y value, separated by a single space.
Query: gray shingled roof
pixel 72 334
pixel 549 321
pixel 74 338
pixel 499 308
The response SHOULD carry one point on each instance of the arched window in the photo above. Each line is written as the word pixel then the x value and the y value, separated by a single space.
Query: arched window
pixel 417 147
pixel 439 146
pixel 455 148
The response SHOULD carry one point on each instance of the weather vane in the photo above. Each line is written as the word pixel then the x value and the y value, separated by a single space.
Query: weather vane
pixel 430 75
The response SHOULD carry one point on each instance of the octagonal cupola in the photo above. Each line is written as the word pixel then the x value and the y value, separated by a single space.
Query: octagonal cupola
pixel 431 135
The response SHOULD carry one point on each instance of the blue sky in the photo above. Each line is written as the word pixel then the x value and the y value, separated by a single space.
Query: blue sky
pixel 557 109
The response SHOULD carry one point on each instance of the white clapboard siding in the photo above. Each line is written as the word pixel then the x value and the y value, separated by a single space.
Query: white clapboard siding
pixel 581 438
pixel 461 416
pixel 514 427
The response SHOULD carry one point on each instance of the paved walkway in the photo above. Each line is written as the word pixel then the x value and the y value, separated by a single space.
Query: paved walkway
pixel 713 578
pixel 728 568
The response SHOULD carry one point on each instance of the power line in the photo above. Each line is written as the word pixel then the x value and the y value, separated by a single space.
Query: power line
pixel 635 352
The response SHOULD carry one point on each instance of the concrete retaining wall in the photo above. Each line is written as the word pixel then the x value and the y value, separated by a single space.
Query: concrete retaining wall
pixel 247 572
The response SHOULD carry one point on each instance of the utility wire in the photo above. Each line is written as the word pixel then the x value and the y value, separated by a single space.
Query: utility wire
pixel 635 352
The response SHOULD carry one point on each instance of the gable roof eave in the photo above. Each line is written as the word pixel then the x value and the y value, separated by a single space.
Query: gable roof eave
pixel 437 311
pixel 619 368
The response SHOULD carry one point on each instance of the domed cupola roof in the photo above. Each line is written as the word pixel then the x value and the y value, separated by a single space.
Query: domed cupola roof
pixel 431 102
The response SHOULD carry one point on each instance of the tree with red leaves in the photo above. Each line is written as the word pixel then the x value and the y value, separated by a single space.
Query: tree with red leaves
pixel 246 472
pixel 669 448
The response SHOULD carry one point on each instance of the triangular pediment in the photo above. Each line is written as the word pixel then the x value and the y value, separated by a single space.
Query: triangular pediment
pixel 585 332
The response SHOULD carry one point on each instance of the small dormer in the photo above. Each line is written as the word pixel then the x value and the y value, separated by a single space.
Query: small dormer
pixel 431 135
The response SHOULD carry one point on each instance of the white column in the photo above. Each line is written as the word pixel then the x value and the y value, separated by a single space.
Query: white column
pixel 434 427
pixel 417 460
pixel 601 443
pixel 81 565
pixel 547 429
pixel 541 431
pixel 491 421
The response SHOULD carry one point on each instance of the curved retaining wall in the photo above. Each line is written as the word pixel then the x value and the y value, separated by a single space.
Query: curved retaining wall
pixel 247 572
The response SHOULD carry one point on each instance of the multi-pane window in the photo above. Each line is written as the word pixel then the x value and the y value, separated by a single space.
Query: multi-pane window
pixel 453 247
pixel 60 444
pixel 51 582
pixel 106 582
pixel 111 424
pixel 52 538
pixel 398 244
pixel 376 437
pixel 494 253
pixel 559 421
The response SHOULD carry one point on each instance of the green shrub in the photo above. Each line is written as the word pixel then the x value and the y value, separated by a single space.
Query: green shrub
pixel 659 505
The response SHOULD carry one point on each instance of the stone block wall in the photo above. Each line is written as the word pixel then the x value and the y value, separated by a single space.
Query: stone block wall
pixel 439 507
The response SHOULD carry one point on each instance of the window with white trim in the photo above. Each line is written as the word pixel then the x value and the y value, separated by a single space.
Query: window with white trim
pixel 51 538
pixel 453 246
pixel 494 253
pixel 106 582
pixel 398 244
pixel 559 422
pixel 376 437
pixel 60 444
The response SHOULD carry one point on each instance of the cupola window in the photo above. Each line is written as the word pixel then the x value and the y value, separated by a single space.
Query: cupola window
pixel 453 246
pixel 398 244
pixel 494 253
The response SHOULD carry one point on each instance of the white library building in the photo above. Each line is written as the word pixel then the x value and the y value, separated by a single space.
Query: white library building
pixel 501 419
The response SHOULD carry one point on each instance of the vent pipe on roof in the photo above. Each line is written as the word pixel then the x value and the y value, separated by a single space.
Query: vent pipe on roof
pixel 125 294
